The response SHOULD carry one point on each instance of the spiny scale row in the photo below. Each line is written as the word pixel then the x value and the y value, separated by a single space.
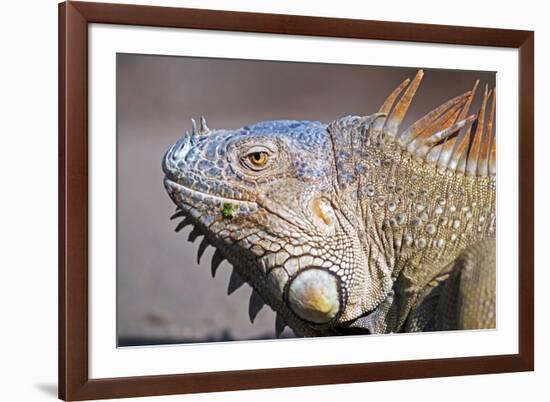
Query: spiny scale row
pixel 256 303
pixel 446 136
pixel 201 129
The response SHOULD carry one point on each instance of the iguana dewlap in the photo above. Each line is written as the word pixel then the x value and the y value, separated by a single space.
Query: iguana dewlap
pixel 352 226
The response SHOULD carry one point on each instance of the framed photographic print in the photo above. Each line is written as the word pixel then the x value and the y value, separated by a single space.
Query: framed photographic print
pixel 259 200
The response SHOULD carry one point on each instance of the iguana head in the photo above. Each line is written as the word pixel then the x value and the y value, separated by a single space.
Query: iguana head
pixel 299 207
pixel 264 196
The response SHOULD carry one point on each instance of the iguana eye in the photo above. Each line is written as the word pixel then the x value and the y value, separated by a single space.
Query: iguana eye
pixel 258 159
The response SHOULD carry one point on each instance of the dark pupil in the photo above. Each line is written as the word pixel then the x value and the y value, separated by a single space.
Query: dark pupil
pixel 257 156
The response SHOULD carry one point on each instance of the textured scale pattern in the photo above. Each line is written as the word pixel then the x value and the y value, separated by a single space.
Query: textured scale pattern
pixel 352 226
pixel 471 286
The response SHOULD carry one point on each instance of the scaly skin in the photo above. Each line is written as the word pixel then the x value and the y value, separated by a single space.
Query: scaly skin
pixel 342 228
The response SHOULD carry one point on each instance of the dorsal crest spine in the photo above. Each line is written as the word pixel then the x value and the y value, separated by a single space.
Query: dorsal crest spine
pixel 448 136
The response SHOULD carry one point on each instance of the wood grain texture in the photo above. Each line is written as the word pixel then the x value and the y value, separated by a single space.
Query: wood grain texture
pixel 298 25
pixel 74 382
pixel 526 186
pixel 73 202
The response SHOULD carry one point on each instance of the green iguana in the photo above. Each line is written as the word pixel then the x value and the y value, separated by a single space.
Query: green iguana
pixel 353 226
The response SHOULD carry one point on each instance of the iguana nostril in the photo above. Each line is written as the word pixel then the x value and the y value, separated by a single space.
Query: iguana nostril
pixel 314 295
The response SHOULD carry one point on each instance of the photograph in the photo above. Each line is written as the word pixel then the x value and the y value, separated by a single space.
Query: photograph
pixel 276 200
pixel 263 199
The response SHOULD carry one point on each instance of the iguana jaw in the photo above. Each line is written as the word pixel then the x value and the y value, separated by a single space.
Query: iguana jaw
pixel 191 200
pixel 308 299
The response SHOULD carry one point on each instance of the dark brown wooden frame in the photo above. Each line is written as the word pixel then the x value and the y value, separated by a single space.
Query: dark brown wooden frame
pixel 74 17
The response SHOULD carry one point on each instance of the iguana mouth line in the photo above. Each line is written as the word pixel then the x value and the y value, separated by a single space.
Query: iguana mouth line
pixel 220 201
pixel 205 197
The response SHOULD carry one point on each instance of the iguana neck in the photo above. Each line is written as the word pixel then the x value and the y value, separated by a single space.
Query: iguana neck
pixel 420 216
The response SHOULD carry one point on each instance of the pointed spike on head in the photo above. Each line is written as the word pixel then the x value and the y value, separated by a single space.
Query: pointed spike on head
pixel 280 325
pixel 203 126
pixel 217 259
pixel 254 305
pixel 400 110
pixel 195 129
pixel 204 244
pixel 235 282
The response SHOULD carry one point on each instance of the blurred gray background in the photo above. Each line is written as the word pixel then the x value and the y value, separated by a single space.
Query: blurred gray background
pixel 163 295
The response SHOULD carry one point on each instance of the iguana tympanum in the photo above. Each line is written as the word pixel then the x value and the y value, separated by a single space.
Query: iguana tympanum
pixel 353 226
